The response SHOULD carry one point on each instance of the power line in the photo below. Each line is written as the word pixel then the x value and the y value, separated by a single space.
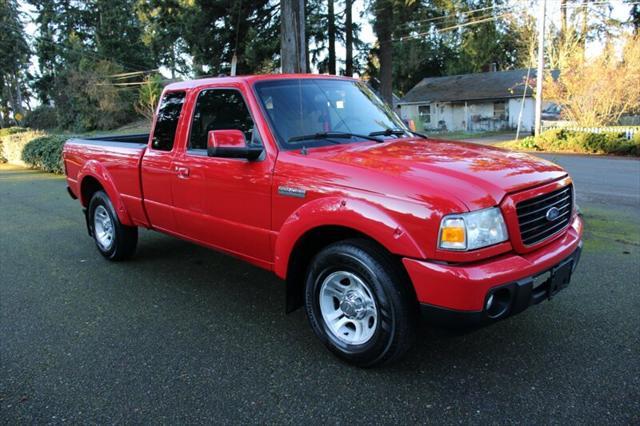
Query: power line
pixel 484 19
pixel 125 75
pixel 408 25
pixel 456 15
pixel 81 53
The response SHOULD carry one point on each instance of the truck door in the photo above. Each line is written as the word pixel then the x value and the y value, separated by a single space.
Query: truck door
pixel 223 203
pixel 157 171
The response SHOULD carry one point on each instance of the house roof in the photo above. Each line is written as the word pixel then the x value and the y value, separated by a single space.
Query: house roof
pixel 467 87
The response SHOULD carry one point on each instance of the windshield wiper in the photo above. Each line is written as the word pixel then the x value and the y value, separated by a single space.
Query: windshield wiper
pixel 332 135
pixel 421 135
pixel 397 132
pixel 388 132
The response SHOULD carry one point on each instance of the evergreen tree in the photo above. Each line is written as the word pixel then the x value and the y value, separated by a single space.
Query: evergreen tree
pixel 14 64
pixel 162 32
pixel 118 34
pixel 216 29
pixel 481 45
pixel 81 46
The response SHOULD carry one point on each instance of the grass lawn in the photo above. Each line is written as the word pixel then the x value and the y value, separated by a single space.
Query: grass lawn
pixel 513 144
pixel 457 135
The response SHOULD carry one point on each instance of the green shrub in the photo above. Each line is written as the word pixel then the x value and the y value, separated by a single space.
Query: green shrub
pixel 529 143
pixel 561 140
pixel 45 153
pixel 43 117
pixel 34 148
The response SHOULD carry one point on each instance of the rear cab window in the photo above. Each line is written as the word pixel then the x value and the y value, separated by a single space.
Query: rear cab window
pixel 167 121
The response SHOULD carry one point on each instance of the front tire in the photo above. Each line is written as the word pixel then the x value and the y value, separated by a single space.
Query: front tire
pixel 358 303
pixel 114 240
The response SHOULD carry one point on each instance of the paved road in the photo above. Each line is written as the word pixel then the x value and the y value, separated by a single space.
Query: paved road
pixel 605 181
pixel 182 334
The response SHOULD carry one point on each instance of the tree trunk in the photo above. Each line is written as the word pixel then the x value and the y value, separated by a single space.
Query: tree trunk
pixel 331 18
pixel 383 29
pixel 173 61
pixel 307 55
pixel 635 18
pixel 349 37
pixel 4 107
pixel 585 24
pixel 18 106
pixel 293 40
pixel 563 20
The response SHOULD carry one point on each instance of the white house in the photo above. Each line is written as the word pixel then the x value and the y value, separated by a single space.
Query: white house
pixel 471 102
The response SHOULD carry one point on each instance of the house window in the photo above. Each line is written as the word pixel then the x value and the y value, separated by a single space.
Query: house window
pixel 424 112
pixel 500 110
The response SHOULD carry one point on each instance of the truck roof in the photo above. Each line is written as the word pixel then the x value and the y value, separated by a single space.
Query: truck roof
pixel 193 84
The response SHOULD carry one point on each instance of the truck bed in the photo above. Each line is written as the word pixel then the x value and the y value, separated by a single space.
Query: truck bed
pixel 117 156
pixel 138 138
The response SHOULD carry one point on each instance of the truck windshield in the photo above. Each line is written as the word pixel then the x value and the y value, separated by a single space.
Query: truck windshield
pixel 298 109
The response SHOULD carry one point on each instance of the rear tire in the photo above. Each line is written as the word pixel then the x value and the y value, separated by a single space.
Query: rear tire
pixel 114 240
pixel 359 304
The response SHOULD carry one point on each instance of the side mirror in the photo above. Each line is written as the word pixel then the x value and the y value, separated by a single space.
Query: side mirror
pixel 231 144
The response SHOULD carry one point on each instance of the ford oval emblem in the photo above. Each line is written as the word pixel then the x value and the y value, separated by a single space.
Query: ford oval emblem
pixel 552 214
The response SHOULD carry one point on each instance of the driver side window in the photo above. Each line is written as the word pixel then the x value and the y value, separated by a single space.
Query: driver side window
pixel 221 109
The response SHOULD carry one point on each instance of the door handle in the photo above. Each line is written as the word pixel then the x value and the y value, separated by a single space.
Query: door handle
pixel 182 172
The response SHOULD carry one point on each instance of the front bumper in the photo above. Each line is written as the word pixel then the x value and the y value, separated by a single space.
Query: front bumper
pixel 459 293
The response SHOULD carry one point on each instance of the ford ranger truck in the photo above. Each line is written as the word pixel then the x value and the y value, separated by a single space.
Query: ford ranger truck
pixel 316 179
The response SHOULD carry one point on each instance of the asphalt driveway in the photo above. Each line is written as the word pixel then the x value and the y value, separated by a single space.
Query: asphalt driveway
pixel 181 334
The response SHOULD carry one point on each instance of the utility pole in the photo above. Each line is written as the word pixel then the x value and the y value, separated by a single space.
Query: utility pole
pixel 293 51
pixel 540 72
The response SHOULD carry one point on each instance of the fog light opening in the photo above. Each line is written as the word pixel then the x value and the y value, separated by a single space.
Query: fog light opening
pixel 498 303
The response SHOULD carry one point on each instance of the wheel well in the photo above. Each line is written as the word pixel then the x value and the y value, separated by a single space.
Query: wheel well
pixel 303 251
pixel 88 187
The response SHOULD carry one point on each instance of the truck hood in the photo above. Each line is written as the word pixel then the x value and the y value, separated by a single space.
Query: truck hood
pixel 479 176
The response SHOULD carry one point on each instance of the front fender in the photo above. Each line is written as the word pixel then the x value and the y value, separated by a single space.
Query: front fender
pixel 98 171
pixel 359 215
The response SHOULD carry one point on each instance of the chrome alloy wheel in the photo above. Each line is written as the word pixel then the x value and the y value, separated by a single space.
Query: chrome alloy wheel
pixel 348 308
pixel 103 228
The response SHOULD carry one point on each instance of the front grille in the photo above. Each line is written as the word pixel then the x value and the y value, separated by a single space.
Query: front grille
pixel 532 215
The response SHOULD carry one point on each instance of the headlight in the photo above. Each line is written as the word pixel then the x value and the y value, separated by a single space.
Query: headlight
pixel 469 231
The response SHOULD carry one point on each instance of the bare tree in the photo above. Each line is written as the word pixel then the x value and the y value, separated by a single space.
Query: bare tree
pixel 599 91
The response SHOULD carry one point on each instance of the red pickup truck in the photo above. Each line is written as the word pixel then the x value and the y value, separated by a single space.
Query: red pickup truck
pixel 314 178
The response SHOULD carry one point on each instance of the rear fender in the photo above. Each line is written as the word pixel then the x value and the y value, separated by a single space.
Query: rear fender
pixel 358 215
pixel 98 171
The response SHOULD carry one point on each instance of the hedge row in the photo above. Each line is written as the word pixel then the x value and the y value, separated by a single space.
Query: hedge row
pixel 33 148
pixel 45 153
pixel 560 140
